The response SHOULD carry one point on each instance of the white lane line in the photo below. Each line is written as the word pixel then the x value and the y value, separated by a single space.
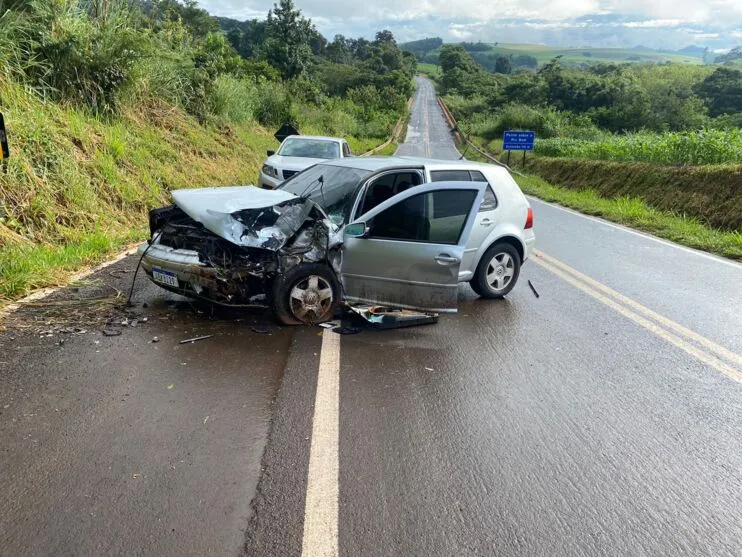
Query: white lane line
pixel 637 233
pixel 321 507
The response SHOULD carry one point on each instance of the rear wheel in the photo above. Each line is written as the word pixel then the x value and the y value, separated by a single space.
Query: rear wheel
pixel 306 294
pixel 497 272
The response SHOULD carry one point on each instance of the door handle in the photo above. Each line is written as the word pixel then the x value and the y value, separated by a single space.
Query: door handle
pixel 486 222
pixel 445 259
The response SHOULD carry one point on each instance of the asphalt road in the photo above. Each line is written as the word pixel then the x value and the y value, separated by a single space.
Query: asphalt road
pixel 600 418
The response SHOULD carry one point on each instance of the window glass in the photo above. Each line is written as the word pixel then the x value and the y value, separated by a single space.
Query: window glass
pixel 346 150
pixel 340 184
pixel 489 203
pixel 477 176
pixel 309 148
pixel 387 186
pixel 437 217
pixel 450 176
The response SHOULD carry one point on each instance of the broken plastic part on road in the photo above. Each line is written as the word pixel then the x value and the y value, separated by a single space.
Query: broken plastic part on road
pixel 380 317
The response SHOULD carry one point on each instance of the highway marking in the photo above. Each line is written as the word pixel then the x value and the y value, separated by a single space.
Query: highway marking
pixel 571 277
pixel 710 345
pixel 321 507
pixel 640 234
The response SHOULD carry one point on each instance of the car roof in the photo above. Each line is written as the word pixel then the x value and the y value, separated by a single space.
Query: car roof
pixel 381 163
pixel 322 137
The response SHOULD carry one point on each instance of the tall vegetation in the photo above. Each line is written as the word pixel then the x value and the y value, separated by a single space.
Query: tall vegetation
pixel 672 113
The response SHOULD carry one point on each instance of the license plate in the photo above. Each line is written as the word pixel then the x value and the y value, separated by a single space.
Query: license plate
pixel 165 277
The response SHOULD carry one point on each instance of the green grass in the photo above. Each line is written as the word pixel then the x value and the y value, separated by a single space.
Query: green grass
pixel 637 214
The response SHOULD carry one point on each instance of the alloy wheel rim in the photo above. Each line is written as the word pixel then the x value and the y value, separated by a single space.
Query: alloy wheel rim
pixel 500 271
pixel 311 298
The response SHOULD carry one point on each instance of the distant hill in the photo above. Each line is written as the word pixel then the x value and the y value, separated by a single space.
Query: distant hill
pixel 426 52
pixel 693 50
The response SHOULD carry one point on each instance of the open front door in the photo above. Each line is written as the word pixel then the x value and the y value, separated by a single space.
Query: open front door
pixel 406 252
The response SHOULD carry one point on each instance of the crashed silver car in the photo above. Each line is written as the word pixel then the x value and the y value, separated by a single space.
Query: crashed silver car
pixel 391 231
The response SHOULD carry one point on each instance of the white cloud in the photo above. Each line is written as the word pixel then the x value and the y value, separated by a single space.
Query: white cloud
pixel 598 22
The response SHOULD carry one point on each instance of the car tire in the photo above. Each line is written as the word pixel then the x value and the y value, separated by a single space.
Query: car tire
pixel 307 294
pixel 497 272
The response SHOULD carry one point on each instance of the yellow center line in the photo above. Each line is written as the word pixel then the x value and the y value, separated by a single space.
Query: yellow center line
pixel 654 328
pixel 710 345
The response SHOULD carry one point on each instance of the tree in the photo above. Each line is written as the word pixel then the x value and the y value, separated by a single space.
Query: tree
pixel 289 33
pixel 722 91
pixel 503 65
pixel 385 36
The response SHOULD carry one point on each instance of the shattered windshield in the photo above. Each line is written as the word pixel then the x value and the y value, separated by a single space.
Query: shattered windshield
pixel 310 148
pixel 340 184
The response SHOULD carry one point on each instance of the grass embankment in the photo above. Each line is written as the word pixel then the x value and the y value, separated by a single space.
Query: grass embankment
pixel 77 187
pixel 681 204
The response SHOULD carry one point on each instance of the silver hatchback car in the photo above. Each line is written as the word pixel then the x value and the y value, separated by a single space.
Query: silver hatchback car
pixel 392 231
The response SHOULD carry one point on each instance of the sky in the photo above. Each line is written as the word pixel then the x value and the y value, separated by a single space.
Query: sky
pixel 660 24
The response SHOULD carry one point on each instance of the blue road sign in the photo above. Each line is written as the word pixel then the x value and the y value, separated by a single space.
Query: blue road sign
pixel 518 141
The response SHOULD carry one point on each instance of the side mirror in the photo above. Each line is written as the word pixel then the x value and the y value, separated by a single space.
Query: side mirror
pixel 356 230
pixel 271 153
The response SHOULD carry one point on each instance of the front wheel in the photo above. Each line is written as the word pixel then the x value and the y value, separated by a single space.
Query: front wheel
pixel 497 272
pixel 307 294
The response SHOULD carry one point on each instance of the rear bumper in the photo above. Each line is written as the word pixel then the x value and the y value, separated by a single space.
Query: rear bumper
pixel 529 243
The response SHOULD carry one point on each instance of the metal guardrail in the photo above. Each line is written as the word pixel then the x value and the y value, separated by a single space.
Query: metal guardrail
pixel 461 138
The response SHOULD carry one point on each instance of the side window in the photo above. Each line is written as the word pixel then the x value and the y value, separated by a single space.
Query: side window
pixel 386 186
pixel 477 176
pixel 436 217
pixel 450 176
pixel 346 150
pixel 489 202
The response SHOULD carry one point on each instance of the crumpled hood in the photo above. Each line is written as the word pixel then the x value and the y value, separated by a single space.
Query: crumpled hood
pixel 246 215
pixel 292 163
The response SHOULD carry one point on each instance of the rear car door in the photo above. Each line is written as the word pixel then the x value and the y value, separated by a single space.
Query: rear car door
pixel 406 252
pixel 487 214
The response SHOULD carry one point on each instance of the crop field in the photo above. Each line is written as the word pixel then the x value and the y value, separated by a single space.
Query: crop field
pixel 685 148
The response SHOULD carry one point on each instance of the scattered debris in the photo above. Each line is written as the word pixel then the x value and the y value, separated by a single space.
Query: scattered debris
pixel 260 330
pixel 346 330
pixel 206 419
pixel 111 332
pixel 429 369
pixel 195 339
pixel 379 317
pixel 170 387
pixel 328 325
pixel 155 339
pixel 533 289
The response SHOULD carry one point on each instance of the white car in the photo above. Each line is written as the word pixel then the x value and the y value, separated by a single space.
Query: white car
pixel 392 231
pixel 298 152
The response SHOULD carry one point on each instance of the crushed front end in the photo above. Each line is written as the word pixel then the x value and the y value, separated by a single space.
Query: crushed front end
pixel 232 257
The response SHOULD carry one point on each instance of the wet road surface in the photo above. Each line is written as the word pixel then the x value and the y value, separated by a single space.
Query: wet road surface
pixel 124 446
pixel 600 418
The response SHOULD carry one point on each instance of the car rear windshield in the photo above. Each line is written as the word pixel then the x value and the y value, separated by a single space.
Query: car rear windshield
pixel 336 195
pixel 309 148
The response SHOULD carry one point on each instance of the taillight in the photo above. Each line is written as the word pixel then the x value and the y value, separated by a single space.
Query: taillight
pixel 529 219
